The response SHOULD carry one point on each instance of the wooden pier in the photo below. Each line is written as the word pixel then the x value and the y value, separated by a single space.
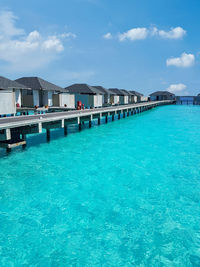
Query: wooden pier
pixel 13 130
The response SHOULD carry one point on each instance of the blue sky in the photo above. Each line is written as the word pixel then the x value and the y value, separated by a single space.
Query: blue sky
pixel 136 45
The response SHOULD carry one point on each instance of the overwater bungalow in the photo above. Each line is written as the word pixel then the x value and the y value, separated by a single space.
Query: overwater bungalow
pixel 44 93
pixel 106 95
pixel 162 95
pixel 114 98
pixel 139 97
pixel 64 99
pixel 132 98
pixel 123 96
pixel 89 96
pixel 10 95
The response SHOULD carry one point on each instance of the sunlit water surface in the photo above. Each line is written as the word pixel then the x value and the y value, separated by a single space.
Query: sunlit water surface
pixel 122 194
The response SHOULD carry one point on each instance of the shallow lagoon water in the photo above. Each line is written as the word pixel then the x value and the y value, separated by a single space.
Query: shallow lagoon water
pixel 126 193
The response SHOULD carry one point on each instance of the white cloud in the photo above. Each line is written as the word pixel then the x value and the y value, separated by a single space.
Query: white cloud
pixel 52 43
pixel 176 88
pixel 7 28
pixel 24 52
pixel 185 60
pixel 33 36
pixel 134 34
pixel 68 35
pixel 107 36
pixel 142 33
pixel 174 33
pixel 154 31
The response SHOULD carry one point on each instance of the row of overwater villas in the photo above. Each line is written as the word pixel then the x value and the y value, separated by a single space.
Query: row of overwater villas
pixel 31 92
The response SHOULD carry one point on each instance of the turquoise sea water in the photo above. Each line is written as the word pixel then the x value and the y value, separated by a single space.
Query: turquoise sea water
pixel 122 194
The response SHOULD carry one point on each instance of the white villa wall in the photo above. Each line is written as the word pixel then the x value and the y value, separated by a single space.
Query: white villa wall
pixel 67 99
pixel 144 98
pixel 116 99
pixel 7 102
pixel 135 98
pixel 18 97
pixel 126 99
pixel 98 100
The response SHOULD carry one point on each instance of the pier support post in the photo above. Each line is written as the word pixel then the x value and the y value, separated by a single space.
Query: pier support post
pixel 48 135
pixel 24 138
pixel 113 117
pixel 119 116
pixel 99 119
pixel 79 123
pixel 90 123
pixel 128 113
pixel 131 112
pixel 124 114
pixel 65 130
pixel 106 119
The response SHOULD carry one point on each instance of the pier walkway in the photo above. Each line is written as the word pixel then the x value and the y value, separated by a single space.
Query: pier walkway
pixel 13 130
